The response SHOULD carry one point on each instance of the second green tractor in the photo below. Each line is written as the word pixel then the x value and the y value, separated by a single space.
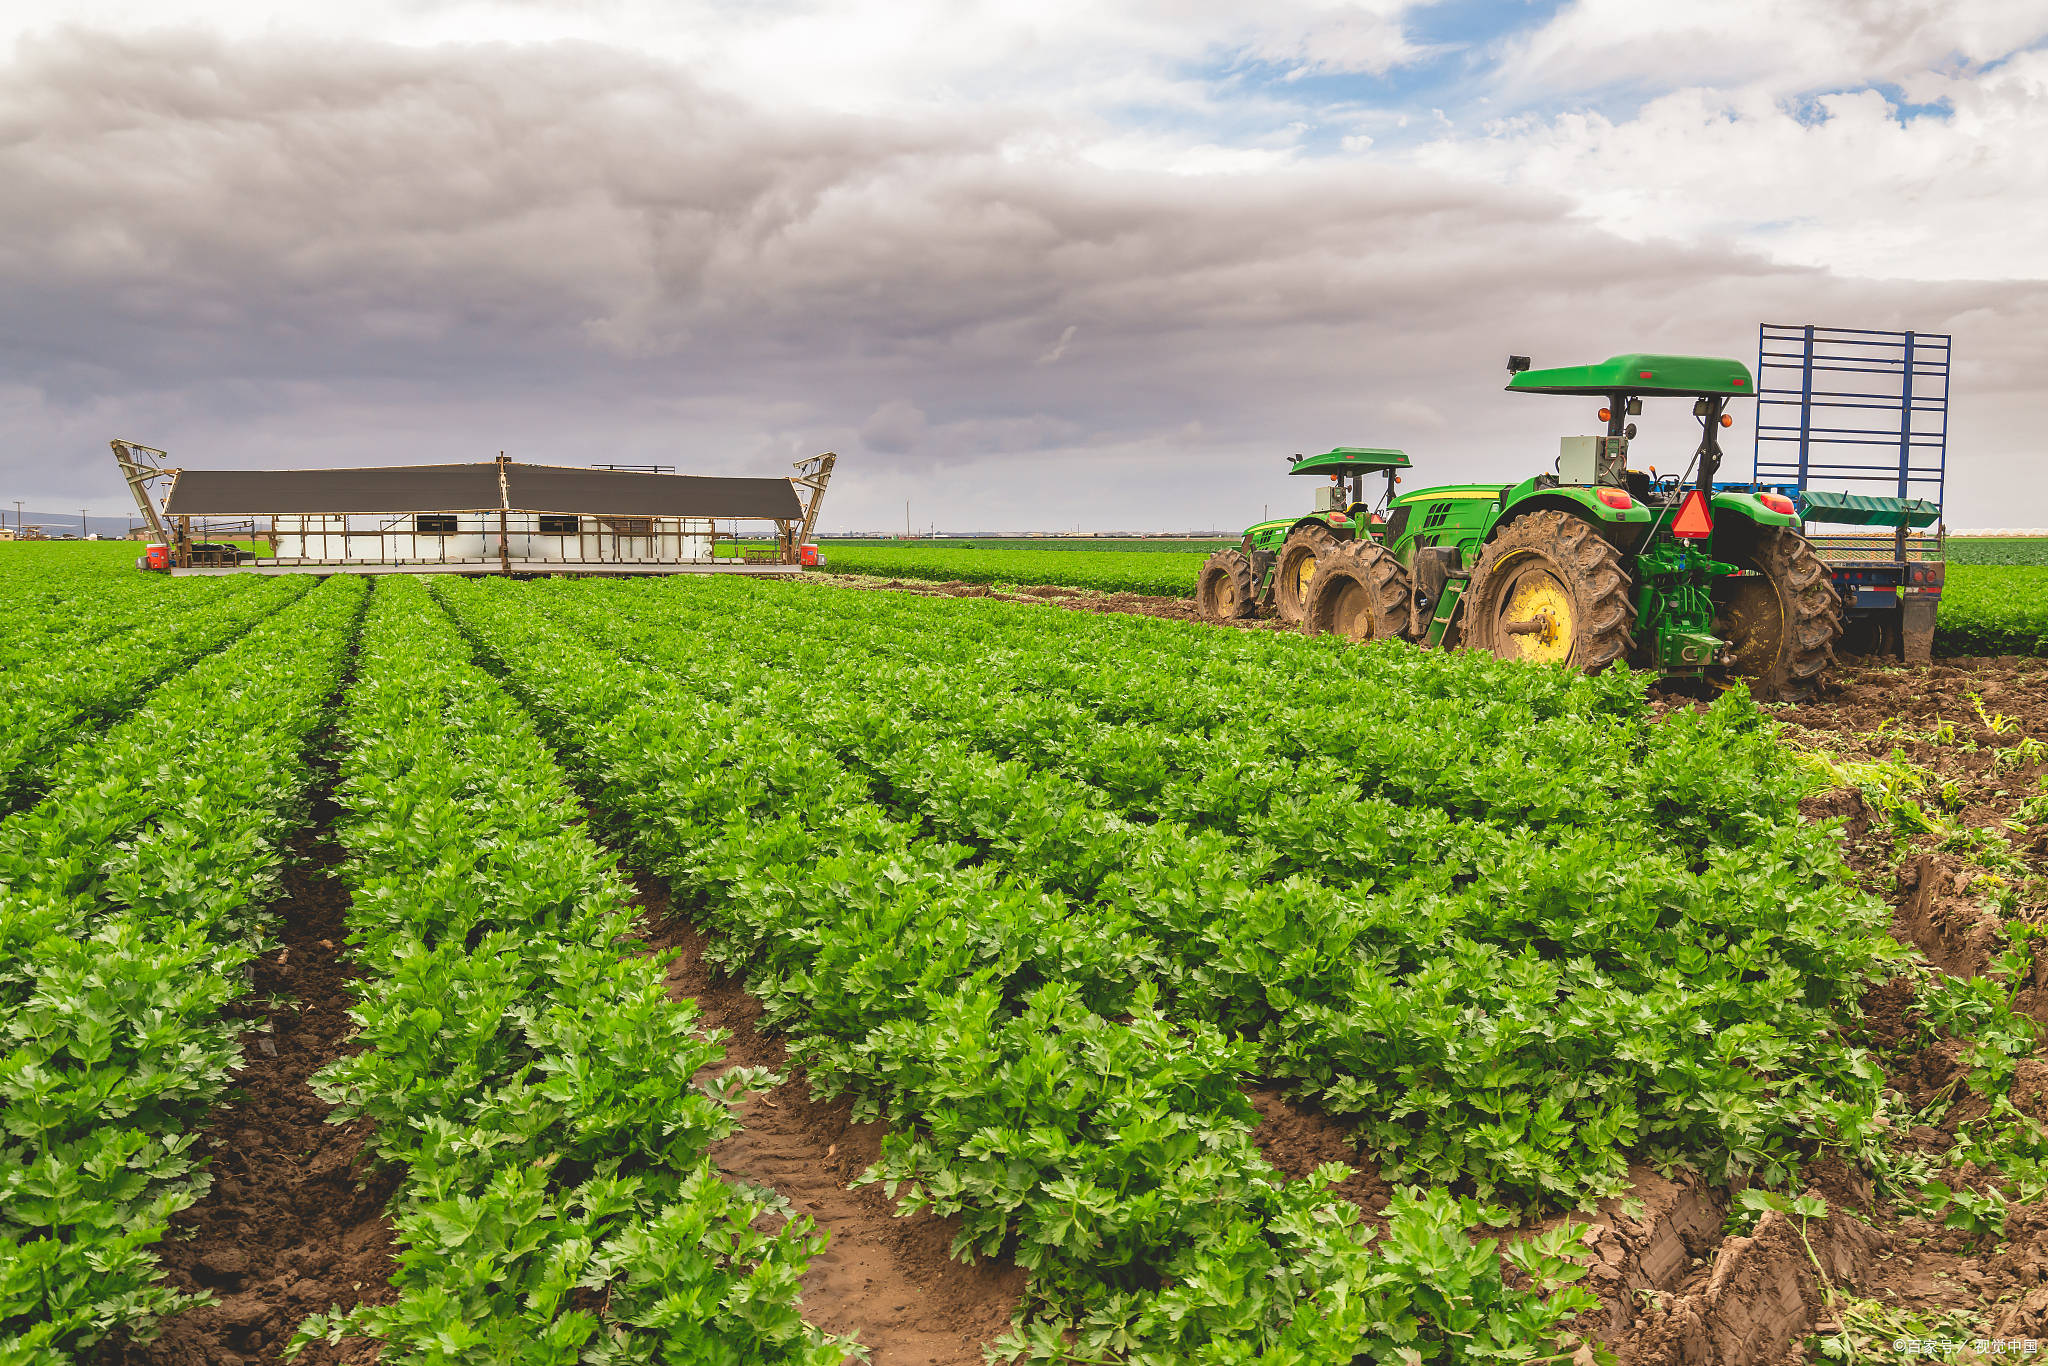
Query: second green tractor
pixel 1591 565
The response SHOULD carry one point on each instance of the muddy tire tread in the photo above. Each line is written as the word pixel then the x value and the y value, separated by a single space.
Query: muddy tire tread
pixel 1607 616
pixel 1373 567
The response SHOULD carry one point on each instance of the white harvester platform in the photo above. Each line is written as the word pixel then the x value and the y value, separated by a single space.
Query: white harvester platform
pixel 486 517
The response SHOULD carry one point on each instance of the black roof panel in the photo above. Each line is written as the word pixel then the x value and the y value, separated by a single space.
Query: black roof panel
pixel 475 488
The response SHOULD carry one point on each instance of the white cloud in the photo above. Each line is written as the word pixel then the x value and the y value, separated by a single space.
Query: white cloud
pixel 1059 348
pixel 1778 46
pixel 1846 184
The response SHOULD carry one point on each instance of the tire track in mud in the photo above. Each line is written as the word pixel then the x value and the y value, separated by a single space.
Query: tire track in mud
pixel 890 1280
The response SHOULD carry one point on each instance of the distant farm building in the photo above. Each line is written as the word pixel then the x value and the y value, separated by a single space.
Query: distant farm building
pixel 500 516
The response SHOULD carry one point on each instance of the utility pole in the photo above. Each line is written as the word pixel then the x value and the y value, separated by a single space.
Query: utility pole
pixel 81 524
pixel 17 517
pixel 908 534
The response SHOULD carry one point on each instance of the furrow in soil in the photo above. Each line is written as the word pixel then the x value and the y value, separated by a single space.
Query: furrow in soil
pixel 294 1223
pixel 890 1280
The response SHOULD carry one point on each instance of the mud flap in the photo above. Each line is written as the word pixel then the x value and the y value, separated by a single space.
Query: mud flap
pixel 1916 628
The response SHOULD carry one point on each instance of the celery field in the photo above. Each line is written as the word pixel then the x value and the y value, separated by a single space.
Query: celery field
pixel 1034 904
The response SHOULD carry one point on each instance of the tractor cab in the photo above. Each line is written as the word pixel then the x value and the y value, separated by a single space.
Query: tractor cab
pixel 1276 562
pixel 1346 467
pixel 1686 576
pixel 1624 382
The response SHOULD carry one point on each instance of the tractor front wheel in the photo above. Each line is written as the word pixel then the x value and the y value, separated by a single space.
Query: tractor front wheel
pixel 1224 590
pixel 1549 589
pixel 1361 591
pixel 1296 568
pixel 1782 619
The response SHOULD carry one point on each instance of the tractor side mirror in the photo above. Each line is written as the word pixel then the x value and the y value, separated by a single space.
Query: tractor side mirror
pixel 1635 409
pixel 1517 364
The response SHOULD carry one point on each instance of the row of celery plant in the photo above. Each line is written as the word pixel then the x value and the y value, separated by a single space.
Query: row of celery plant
pixel 92 675
pixel 522 1062
pixel 1421 728
pixel 1171 573
pixel 130 906
pixel 1741 797
pixel 1030 1076
pixel 1414 726
pixel 1463 983
pixel 1235 772
pixel 1994 609
pixel 59 597
pixel 56 593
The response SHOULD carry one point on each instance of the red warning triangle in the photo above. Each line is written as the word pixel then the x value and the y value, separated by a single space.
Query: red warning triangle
pixel 1695 520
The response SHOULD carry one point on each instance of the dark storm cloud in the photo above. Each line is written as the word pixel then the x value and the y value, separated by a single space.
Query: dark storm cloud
pixel 270 253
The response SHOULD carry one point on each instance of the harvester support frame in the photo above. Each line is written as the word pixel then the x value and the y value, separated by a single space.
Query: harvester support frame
pixel 812 474
pixel 140 466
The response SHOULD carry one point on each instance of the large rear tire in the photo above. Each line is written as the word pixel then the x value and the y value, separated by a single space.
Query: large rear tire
pixel 1224 590
pixel 1550 589
pixel 1296 569
pixel 1360 591
pixel 1782 621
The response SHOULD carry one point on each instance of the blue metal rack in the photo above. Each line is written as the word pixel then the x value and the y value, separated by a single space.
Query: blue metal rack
pixel 1852 405
pixel 1848 406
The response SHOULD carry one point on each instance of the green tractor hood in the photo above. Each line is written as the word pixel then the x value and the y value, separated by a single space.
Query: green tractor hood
pixel 1650 376
pixel 1351 460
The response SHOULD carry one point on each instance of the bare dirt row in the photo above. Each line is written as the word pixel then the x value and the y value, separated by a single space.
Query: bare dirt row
pixel 294 1223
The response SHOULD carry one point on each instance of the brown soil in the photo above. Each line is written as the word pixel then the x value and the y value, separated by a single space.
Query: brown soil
pixel 294 1222
pixel 1940 895
pixel 1297 1138
pixel 1960 1285
pixel 890 1280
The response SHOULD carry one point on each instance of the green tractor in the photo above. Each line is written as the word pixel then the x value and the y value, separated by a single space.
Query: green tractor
pixel 1592 565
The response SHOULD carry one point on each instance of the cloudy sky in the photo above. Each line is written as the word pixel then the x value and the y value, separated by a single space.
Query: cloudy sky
pixel 1065 264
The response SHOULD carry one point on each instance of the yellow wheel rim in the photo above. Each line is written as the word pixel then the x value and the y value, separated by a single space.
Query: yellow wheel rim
pixel 1538 601
pixel 1303 572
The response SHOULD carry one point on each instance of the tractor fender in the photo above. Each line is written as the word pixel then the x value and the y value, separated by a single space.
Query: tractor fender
pixel 1622 527
pixel 1738 517
pixel 1750 506
pixel 1273 534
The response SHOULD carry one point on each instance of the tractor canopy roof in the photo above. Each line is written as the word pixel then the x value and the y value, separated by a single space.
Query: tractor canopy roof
pixel 1350 460
pixel 1651 376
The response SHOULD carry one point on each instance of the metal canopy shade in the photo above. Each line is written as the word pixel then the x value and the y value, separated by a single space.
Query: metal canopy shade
pixel 387 488
pixel 475 488
pixel 1650 376
pixel 562 488
pixel 1347 459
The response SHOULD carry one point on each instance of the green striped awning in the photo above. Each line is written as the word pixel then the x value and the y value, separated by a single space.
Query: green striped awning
pixel 1867 509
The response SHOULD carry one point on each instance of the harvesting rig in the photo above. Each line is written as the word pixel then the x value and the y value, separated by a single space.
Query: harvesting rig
pixel 1591 565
